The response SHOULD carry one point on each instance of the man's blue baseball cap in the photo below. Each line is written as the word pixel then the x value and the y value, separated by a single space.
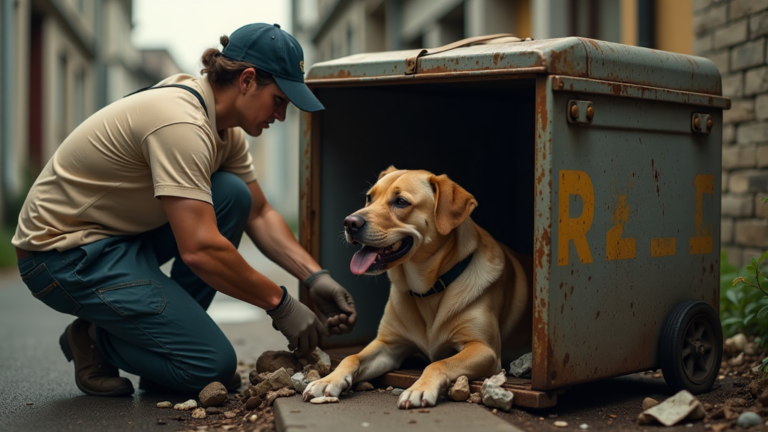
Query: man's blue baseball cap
pixel 273 50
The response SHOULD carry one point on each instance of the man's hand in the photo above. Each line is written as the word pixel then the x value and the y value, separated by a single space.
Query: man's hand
pixel 335 304
pixel 297 323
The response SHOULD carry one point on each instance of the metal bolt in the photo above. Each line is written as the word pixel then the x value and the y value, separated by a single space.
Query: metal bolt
pixel 574 111
pixel 561 84
pixel 697 122
pixel 709 123
pixel 590 113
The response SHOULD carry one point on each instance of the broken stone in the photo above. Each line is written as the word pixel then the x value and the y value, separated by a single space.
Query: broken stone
pixel 253 403
pixel 681 406
pixel 498 379
pixel 271 361
pixel 649 403
pixel 521 367
pixel 312 375
pixel 324 399
pixel 198 413
pixel 299 381
pixel 460 390
pixel 737 361
pixel 186 406
pixel 165 404
pixel 280 379
pixel 283 392
pixel 560 424
pixel 254 377
pixel 230 414
pixel 749 419
pixel 397 391
pixel 475 398
pixel 212 411
pixel 495 396
pixel 363 386
pixel 213 394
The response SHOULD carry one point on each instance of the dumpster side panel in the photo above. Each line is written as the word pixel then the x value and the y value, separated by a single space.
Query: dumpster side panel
pixel 635 230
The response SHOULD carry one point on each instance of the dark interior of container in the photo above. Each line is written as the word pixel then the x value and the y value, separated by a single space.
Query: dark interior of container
pixel 481 134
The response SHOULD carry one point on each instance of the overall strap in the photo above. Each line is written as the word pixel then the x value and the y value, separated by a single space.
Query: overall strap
pixel 181 86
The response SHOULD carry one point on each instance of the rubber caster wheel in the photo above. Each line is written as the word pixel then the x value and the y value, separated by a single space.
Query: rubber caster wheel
pixel 691 347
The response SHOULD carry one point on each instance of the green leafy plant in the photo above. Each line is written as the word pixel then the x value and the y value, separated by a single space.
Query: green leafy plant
pixel 744 299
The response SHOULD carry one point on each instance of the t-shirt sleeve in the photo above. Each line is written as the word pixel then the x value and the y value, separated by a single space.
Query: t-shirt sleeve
pixel 181 157
pixel 239 160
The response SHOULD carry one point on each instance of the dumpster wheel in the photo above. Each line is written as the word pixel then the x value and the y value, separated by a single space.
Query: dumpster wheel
pixel 691 347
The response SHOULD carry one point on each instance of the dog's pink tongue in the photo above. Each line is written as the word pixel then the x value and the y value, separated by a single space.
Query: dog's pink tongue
pixel 363 259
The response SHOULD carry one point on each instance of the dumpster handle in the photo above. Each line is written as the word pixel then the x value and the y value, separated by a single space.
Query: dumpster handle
pixel 411 62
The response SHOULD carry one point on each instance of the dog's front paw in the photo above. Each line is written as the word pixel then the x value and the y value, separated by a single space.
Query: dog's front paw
pixel 332 385
pixel 417 397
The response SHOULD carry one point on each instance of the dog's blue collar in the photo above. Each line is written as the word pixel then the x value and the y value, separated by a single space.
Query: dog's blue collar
pixel 446 279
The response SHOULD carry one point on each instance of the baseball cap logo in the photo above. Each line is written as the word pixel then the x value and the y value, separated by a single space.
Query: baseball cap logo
pixel 301 65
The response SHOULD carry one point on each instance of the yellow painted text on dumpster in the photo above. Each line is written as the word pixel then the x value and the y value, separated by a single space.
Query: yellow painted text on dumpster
pixel 575 229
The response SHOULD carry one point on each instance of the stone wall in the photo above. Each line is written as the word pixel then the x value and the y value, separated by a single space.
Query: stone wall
pixel 733 35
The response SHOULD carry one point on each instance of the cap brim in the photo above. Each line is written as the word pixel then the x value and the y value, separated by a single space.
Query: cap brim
pixel 299 94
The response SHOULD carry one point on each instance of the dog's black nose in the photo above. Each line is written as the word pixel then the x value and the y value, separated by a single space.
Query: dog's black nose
pixel 353 223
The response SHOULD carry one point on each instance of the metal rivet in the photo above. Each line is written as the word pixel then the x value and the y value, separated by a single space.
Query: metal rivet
pixel 574 111
pixel 709 123
pixel 561 84
pixel 273 37
pixel 590 113
pixel 697 122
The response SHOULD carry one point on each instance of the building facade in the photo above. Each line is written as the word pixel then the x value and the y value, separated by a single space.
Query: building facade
pixel 62 60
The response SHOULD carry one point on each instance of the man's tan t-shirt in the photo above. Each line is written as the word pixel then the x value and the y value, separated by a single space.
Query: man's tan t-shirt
pixel 105 178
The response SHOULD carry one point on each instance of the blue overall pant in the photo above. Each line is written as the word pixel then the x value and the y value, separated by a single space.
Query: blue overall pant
pixel 148 324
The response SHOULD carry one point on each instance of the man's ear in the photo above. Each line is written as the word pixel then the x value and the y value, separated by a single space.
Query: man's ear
pixel 391 169
pixel 453 204
pixel 246 80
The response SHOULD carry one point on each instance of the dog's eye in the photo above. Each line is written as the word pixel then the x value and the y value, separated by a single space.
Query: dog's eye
pixel 368 199
pixel 401 202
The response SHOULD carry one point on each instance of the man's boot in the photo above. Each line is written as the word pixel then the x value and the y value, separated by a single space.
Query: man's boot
pixel 94 376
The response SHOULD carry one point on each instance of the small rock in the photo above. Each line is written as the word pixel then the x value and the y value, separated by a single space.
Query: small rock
pixel 165 404
pixel 560 424
pixel 495 396
pixel 198 413
pixel 230 414
pixel 397 391
pixel 522 366
pixel 363 386
pixel 212 411
pixel 365 424
pixel 737 361
pixel 494 411
pixel 280 379
pixel 649 402
pixel 736 402
pixel 390 388
pixel 460 390
pixel 283 392
pixel 750 349
pixel 324 399
pixel 253 418
pixel 313 375
pixel 213 394
pixel 186 406
pixel 748 419
pixel 498 379
pixel 299 381
pixel 254 377
pixel 253 403
pixel 317 360
pixel 475 398
pixel 271 361
pixel 583 426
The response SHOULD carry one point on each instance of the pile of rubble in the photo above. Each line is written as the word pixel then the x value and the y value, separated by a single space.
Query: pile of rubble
pixel 276 374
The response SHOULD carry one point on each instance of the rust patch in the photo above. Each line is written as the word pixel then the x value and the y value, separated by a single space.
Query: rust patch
pixel 496 59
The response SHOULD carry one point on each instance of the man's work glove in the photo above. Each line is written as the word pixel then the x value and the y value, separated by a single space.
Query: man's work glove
pixel 297 323
pixel 335 304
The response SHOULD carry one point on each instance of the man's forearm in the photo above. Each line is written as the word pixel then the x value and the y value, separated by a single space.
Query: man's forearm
pixel 222 267
pixel 272 236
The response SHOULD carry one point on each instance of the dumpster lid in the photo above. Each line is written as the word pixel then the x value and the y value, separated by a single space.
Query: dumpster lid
pixel 571 56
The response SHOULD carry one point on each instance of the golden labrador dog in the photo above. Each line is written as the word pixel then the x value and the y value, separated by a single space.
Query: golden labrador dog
pixel 457 296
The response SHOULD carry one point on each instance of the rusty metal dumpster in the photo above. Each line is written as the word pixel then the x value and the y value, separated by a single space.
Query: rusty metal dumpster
pixel 600 160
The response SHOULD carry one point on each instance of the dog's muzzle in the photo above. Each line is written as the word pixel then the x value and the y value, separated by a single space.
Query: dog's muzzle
pixel 353 224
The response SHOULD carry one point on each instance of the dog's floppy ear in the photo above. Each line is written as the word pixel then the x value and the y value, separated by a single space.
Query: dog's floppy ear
pixel 453 204
pixel 391 169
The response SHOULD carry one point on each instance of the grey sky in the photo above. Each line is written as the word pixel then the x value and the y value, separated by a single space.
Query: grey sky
pixel 188 27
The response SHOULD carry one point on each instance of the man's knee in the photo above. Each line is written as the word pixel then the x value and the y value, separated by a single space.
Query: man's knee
pixel 230 193
pixel 220 367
